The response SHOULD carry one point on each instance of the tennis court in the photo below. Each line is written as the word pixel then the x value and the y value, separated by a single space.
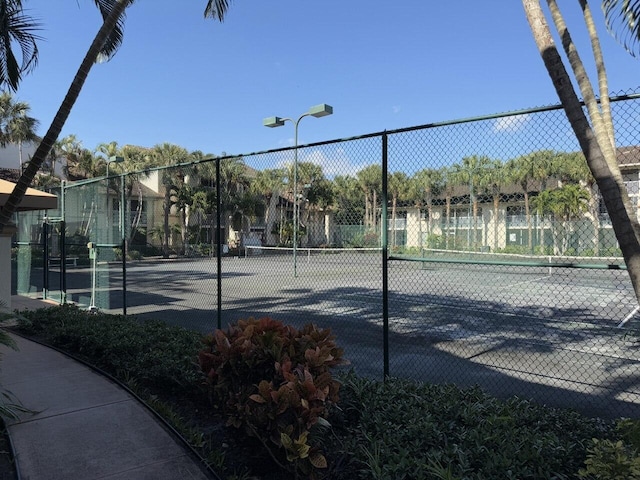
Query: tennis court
pixel 551 334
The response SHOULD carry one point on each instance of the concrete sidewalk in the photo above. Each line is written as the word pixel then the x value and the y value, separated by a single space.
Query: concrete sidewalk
pixel 85 426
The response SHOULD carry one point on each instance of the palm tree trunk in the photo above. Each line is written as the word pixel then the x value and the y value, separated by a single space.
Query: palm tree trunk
pixel 496 204
pixel 527 213
pixel 165 211
pixel 61 116
pixel 393 218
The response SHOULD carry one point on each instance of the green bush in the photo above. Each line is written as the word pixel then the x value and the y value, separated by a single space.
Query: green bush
pixel 402 429
pixel 275 382
pixel 152 352
pixel 615 459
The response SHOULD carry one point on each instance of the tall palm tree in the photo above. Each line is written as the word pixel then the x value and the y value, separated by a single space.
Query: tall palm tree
pixel 470 172
pixel 104 45
pixel 349 207
pixel 450 179
pixel 80 162
pixel 595 133
pixel 370 180
pixel 397 189
pixel 16 126
pixel 520 171
pixel 167 154
pixel 18 29
pixel 494 178
pixel 269 183
pixel 428 184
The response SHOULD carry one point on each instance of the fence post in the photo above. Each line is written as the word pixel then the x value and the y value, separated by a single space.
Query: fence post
pixel 45 258
pixel 63 262
pixel 219 243
pixel 124 220
pixel 385 266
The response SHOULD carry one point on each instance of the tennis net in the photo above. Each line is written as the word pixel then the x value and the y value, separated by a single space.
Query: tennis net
pixel 513 259
pixel 312 255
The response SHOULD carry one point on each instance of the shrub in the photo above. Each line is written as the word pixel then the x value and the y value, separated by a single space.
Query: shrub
pixel 403 429
pixel 615 460
pixel 274 381
pixel 150 351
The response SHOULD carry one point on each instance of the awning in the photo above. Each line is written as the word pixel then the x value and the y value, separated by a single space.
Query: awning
pixel 33 199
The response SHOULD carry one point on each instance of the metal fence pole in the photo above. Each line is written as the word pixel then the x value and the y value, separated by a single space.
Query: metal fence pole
pixel 123 226
pixel 385 266
pixel 219 244
pixel 63 262
pixel 45 259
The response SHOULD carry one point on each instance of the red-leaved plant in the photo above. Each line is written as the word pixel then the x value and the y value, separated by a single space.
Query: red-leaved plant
pixel 275 382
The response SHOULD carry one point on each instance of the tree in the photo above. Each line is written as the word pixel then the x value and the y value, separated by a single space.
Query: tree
pixel 627 13
pixel 471 172
pixel 269 183
pixel 80 162
pixel 370 181
pixel 562 206
pixel 494 178
pixel 104 46
pixel 520 171
pixel 428 183
pixel 596 142
pixel 450 179
pixel 17 29
pixel 16 126
pixel 397 188
pixel 167 154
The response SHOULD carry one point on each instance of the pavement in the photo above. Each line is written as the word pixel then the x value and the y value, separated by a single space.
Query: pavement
pixel 83 425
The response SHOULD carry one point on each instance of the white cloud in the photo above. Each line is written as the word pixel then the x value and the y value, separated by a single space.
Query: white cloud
pixel 511 124
pixel 396 108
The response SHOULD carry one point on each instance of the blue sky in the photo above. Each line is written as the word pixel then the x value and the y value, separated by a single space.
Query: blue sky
pixel 382 65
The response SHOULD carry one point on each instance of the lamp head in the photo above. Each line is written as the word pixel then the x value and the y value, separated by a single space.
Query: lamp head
pixel 321 110
pixel 272 122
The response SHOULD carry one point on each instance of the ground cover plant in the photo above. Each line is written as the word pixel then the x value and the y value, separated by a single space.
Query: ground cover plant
pixel 369 429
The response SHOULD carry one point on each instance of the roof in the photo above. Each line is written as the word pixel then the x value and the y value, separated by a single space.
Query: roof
pixel 33 200
pixel 628 156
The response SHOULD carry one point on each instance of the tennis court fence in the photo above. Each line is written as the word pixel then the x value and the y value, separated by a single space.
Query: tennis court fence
pixel 475 251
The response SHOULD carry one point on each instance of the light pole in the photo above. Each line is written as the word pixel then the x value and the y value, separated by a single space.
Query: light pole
pixel 113 159
pixel 317 111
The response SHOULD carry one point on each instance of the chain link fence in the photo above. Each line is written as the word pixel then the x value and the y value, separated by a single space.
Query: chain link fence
pixel 475 251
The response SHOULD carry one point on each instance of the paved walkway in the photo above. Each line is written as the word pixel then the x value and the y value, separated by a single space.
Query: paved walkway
pixel 85 426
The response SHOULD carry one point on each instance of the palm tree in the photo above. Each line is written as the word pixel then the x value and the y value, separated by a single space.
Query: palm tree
pixel 623 15
pixel 597 141
pixel 428 184
pixel 80 162
pixel 370 180
pixel 349 208
pixel 493 179
pixel 167 154
pixel 573 168
pixel 16 126
pixel 470 172
pixel 520 171
pixel 269 183
pixel 18 29
pixel 104 45
pixel 397 189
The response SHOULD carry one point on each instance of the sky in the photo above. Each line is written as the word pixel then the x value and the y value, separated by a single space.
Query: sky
pixel 382 65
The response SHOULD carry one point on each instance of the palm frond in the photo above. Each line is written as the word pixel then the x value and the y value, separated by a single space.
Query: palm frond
pixel 622 21
pixel 216 9
pixel 114 40
pixel 16 29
